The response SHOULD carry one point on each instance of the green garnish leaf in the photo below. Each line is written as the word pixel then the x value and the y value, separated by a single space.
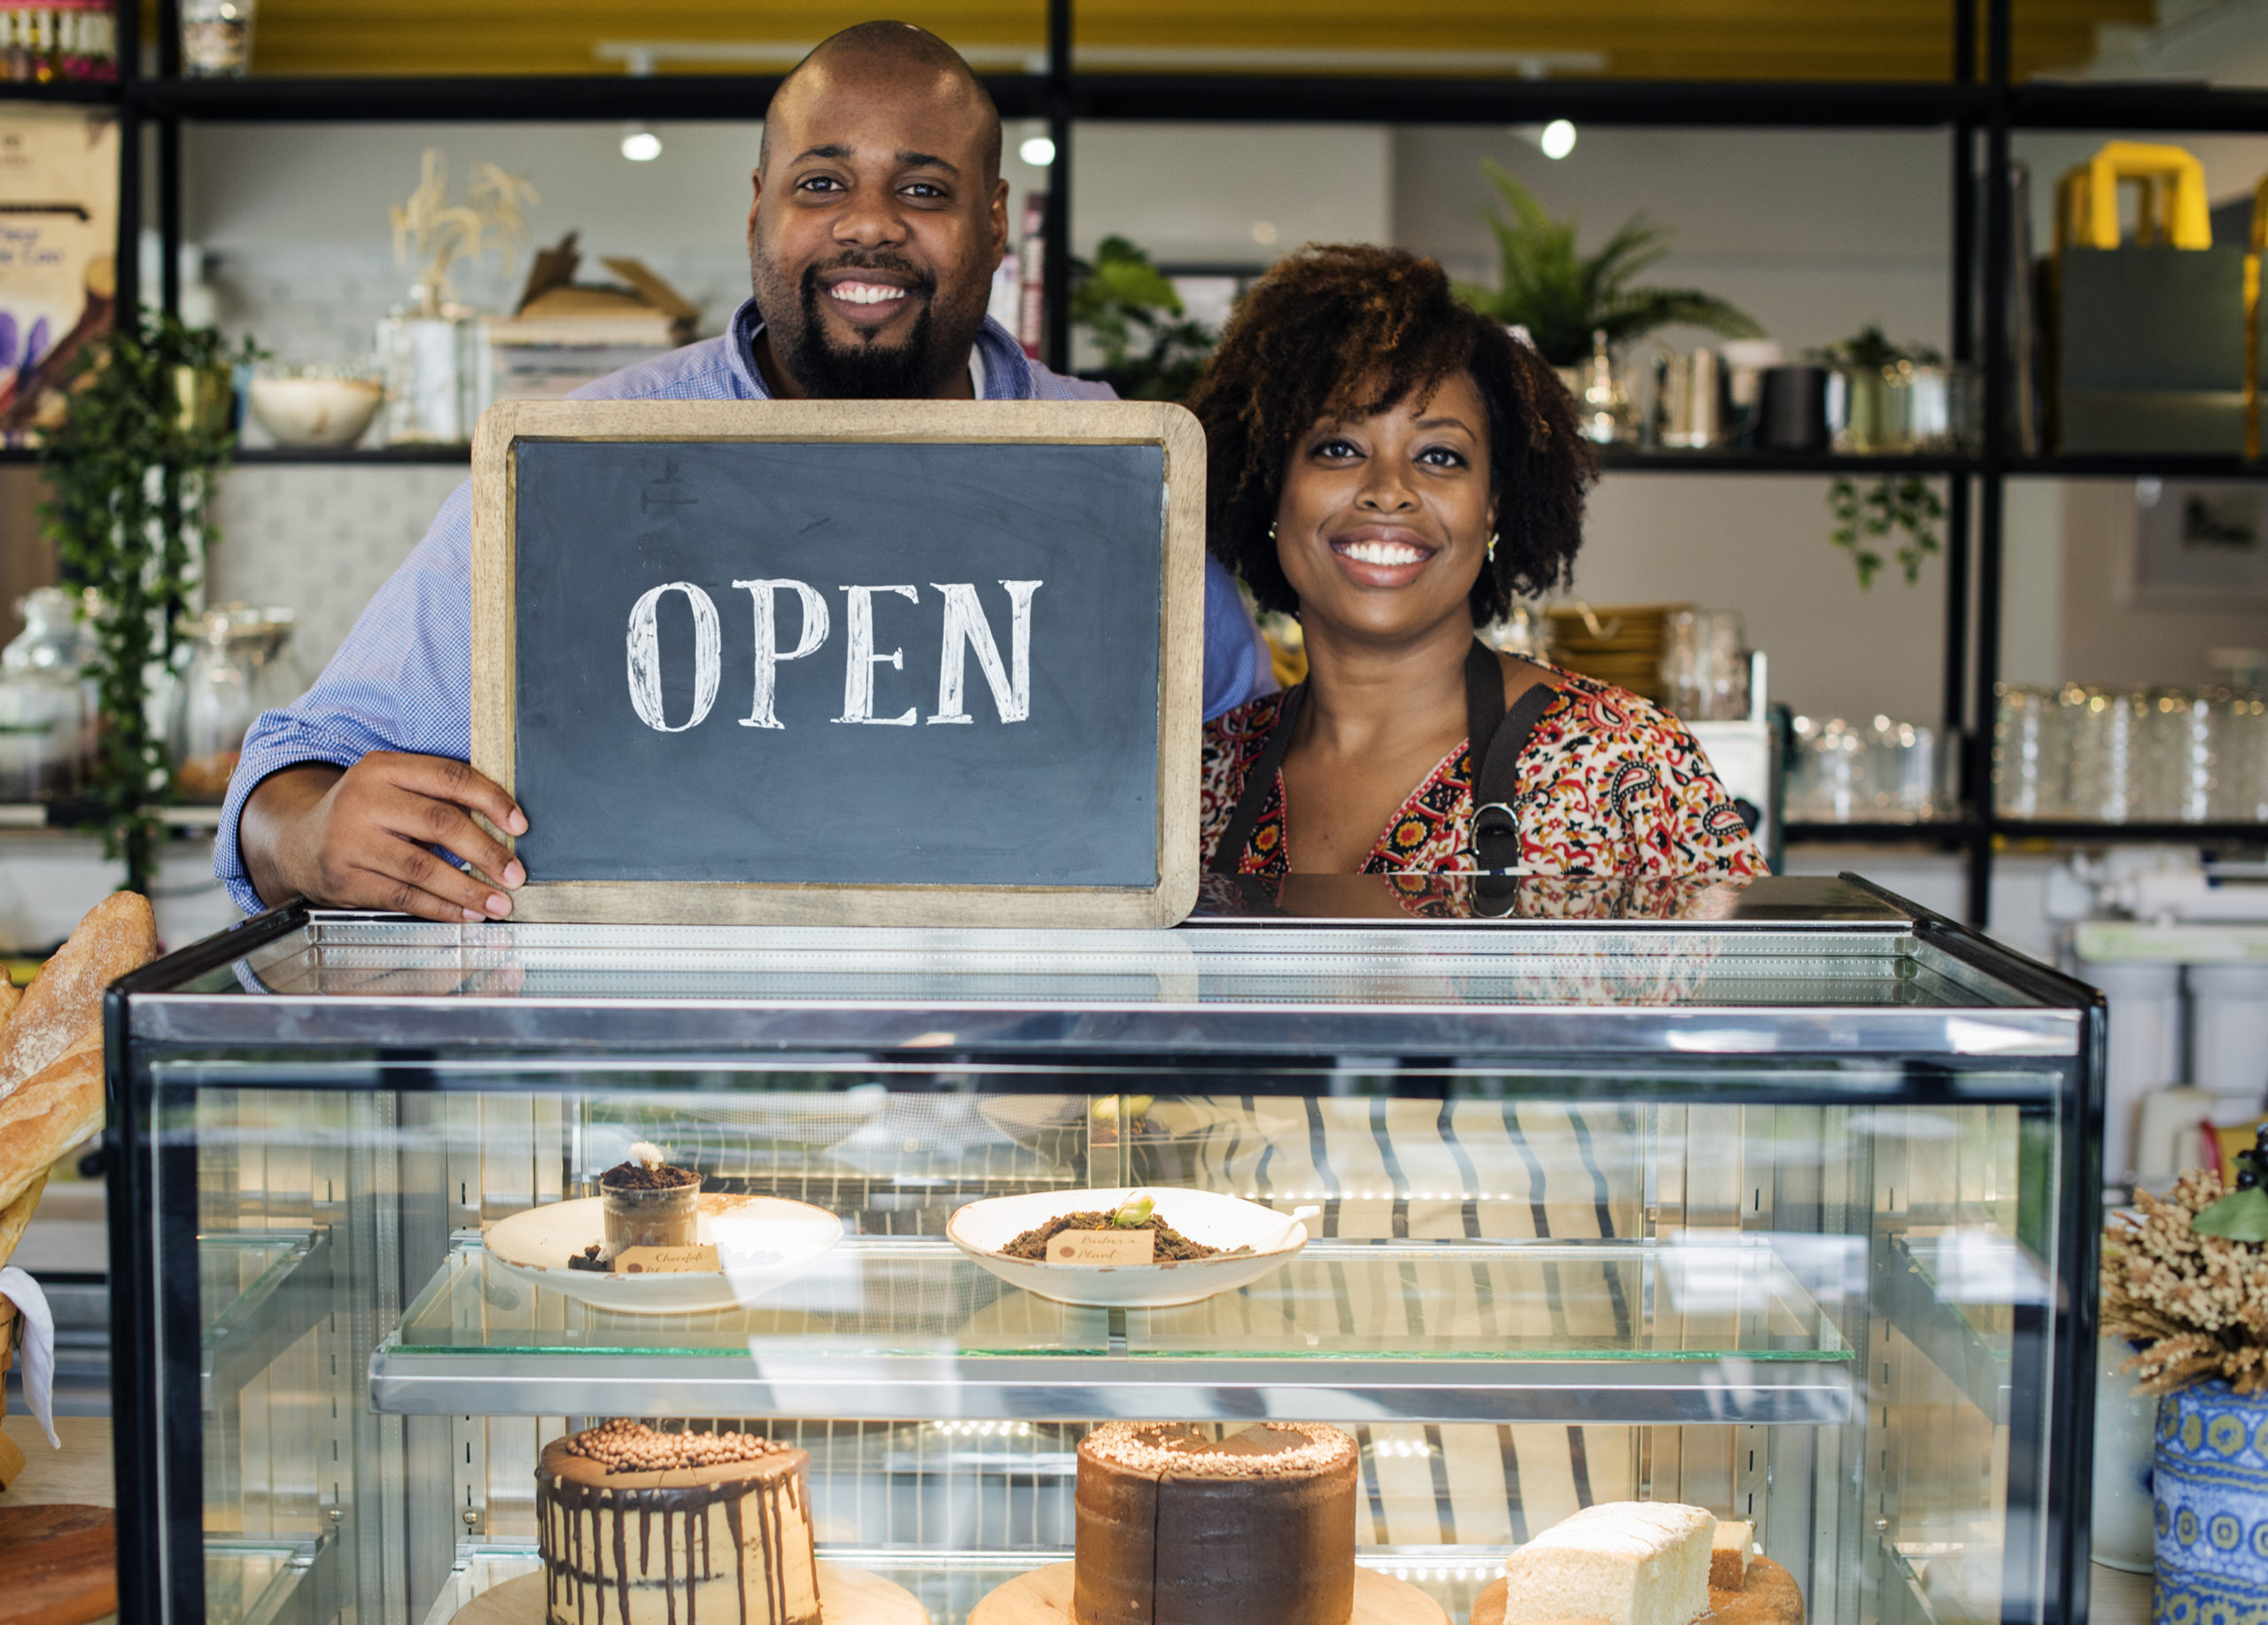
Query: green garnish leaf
pixel 2240 1216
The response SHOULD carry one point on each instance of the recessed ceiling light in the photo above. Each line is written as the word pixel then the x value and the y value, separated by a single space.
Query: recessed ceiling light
pixel 1037 150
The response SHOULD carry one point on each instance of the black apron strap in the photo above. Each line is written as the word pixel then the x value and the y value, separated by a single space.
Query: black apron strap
pixel 1484 698
pixel 1228 857
pixel 1496 768
pixel 1497 777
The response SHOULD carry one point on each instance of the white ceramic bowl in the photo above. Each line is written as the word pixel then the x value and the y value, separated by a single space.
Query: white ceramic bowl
pixel 762 1242
pixel 331 413
pixel 982 1228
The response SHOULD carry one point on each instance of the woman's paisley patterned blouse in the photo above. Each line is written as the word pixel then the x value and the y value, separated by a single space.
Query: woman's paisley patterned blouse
pixel 1610 785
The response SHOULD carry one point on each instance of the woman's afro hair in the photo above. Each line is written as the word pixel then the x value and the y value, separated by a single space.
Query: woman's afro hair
pixel 1346 331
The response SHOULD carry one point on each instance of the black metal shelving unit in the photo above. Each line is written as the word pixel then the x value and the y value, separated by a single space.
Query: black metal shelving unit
pixel 1979 105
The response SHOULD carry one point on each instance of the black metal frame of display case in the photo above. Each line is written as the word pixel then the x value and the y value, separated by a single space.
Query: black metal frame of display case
pixel 156 1315
pixel 1979 105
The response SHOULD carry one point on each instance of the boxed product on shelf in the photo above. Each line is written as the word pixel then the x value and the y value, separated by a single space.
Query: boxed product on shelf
pixel 564 334
pixel 2148 347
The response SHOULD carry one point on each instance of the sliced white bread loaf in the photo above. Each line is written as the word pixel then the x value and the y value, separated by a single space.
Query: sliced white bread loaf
pixel 1628 1562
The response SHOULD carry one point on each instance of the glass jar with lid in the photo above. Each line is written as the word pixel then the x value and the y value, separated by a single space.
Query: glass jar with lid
pixel 236 668
pixel 45 706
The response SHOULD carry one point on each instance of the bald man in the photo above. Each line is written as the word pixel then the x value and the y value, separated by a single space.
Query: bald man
pixel 879 216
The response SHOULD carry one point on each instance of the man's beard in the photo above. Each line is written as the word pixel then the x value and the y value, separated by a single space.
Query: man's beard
pixel 864 370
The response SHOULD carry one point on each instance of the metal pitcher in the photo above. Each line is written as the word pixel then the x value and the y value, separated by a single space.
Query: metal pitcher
pixel 1689 404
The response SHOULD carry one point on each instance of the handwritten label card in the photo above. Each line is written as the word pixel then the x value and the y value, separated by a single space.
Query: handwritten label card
pixel 666 1261
pixel 1104 1246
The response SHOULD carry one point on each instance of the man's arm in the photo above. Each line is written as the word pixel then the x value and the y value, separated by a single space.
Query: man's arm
pixel 341 797
pixel 1237 666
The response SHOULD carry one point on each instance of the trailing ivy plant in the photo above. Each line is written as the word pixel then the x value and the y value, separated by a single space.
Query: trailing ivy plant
pixel 1908 509
pixel 133 469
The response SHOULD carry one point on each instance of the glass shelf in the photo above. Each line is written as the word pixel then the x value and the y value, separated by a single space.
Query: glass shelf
pixel 1954 1295
pixel 1349 1331
pixel 260 1292
pixel 250 1582
pixel 1776 967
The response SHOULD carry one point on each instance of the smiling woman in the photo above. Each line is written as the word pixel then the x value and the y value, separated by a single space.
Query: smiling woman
pixel 1394 468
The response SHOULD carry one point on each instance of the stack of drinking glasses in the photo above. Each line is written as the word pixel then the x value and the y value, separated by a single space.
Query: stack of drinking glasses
pixel 1704 666
pixel 2119 756
pixel 1882 772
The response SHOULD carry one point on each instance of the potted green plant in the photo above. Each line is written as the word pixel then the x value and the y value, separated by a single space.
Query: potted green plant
pixel 1893 397
pixel 133 469
pixel 2185 1282
pixel 1151 351
pixel 1563 297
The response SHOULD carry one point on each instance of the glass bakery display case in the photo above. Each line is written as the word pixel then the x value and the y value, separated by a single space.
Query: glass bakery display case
pixel 1777 1200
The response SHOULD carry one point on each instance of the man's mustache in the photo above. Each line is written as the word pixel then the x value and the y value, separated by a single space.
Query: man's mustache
pixel 922 281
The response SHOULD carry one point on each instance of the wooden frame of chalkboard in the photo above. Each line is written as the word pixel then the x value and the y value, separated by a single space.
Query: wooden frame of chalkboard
pixel 506 431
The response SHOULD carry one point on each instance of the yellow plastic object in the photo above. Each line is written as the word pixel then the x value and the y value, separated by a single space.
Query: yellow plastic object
pixel 2230 1138
pixel 2173 212
pixel 2252 319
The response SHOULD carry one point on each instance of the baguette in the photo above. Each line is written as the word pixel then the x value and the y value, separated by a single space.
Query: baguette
pixel 49 1114
pixel 119 935
pixel 17 1214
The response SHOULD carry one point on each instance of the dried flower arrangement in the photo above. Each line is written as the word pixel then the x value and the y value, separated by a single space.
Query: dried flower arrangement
pixel 431 235
pixel 2185 1280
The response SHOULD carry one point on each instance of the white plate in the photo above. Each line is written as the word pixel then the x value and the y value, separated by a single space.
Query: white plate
pixel 762 1241
pixel 982 1228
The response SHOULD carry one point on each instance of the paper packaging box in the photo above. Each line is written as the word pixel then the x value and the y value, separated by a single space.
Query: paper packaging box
pixel 564 334
pixel 2149 350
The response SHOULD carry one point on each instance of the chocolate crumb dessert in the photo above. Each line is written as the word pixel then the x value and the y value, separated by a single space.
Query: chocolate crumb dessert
pixel 638 1177
pixel 646 1203
pixel 1172 1245
pixel 656 1528
pixel 1177 1528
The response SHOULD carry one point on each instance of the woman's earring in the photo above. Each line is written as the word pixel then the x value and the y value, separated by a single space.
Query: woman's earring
pixel 1272 529
pixel 1492 547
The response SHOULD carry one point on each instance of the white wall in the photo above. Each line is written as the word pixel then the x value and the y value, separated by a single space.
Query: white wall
pixel 1234 194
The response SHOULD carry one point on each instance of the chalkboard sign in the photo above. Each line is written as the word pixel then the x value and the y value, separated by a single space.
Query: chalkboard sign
pixel 843 662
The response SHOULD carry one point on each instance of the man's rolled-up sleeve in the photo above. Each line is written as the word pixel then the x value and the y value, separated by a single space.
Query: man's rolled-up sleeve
pixel 402 681
pixel 1237 666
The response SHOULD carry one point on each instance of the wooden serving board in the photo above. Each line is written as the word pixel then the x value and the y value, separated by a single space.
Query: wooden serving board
pixel 60 1563
pixel 1042 1597
pixel 847 1596
pixel 1771 1597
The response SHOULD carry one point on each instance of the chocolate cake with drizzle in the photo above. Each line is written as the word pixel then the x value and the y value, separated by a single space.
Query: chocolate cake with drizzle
pixel 1177 1528
pixel 642 1528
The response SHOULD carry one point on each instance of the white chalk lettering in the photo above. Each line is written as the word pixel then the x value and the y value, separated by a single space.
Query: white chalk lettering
pixel 646 656
pixel 968 632
pixel 768 652
pixel 859 672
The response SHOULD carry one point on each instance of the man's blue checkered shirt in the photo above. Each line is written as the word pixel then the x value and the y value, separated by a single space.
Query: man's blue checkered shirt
pixel 403 679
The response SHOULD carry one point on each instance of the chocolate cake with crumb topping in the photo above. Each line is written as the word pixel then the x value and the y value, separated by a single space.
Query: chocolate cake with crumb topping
pixel 1177 1528
pixel 638 1527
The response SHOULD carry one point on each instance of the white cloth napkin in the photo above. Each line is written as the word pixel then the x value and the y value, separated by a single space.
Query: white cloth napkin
pixel 35 1344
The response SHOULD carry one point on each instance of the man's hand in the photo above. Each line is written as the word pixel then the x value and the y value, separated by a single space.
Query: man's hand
pixel 358 838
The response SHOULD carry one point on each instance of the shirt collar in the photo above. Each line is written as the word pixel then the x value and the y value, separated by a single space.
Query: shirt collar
pixel 999 363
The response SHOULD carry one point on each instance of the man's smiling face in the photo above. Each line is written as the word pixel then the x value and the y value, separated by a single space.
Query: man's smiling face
pixel 878 220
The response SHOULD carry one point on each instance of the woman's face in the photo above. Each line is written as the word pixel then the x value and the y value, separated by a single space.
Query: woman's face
pixel 1384 522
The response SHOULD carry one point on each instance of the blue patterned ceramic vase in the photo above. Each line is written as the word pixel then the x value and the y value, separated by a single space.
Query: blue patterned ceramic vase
pixel 2210 1482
